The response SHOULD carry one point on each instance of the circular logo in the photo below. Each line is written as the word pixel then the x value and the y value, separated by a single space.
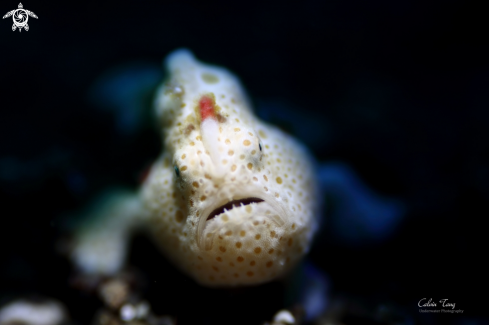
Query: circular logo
pixel 20 17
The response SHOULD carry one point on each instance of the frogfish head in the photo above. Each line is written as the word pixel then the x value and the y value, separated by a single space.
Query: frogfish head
pixel 243 192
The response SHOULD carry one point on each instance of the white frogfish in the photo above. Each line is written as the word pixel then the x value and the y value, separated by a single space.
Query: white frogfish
pixel 231 201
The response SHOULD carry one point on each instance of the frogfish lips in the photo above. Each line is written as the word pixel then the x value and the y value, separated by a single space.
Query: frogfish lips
pixel 237 218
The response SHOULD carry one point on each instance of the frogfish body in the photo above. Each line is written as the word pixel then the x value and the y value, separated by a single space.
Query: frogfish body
pixel 231 201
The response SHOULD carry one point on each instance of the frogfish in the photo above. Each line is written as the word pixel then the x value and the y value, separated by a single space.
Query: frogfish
pixel 231 201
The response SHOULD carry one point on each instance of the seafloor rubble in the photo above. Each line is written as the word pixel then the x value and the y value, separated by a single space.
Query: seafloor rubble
pixel 122 302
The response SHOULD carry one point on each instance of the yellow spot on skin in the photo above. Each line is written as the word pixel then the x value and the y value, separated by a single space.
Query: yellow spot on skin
pixel 265 178
pixel 203 197
pixel 246 142
pixel 273 234
pixel 198 138
pixel 253 152
pixel 252 263
pixel 179 216
pixel 248 209
pixel 215 269
pixel 290 242
pixel 183 156
pixel 257 250
pixel 249 273
pixel 230 152
pixel 189 129
pixel 242 233
pixel 209 78
pixel 262 134
pixel 279 180
pixel 227 141
pixel 233 168
pixel 184 168
pixel 240 259
pixel 269 264
pixel 238 244
pixel 242 157
pixel 228 233
pixel 255 179
pixel 293 226
pixel 192 143
pixel 224 161
pixel 195 184
pixel 220 119
pixel 250 166
pixel 271 251
pixel 222 248
pixel 225 217
pixel 237 129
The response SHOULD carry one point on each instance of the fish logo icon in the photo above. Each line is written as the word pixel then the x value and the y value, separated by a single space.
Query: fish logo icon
pixel 20 17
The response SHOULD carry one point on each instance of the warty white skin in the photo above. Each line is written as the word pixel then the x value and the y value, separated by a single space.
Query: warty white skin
pixel 205 165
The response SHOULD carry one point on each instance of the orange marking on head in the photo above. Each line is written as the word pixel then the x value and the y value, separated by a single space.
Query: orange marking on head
pixel 207 106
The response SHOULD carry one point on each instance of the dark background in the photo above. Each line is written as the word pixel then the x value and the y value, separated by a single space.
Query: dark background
pixel 399 88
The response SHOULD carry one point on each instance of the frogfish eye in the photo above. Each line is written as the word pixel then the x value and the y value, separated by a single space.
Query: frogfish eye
pixel 177 171
pixel 259 145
